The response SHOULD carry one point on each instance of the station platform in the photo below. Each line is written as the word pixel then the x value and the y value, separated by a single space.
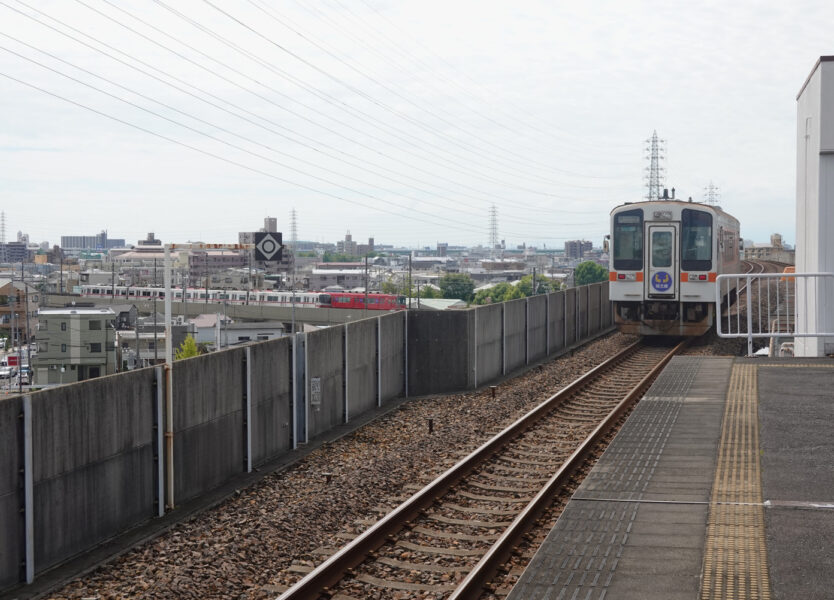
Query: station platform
pixel 719 485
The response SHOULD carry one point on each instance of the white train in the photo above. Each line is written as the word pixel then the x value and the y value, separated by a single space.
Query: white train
pixel 374 300
pixel 664 258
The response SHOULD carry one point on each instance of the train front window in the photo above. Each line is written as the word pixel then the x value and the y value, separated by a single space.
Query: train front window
pixel 696 240
pixel 628 241
pixel 661 249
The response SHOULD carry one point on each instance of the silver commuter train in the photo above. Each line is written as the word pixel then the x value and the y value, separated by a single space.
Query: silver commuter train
pixel 664 258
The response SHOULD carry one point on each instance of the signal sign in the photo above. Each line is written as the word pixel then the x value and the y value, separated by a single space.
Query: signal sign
pixel 268 246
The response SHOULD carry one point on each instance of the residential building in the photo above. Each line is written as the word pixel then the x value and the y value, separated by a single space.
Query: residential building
pixel 74 243
pixel 321 279
pixel 775 251
pixel 577 248
pixel 202 263
pixel 18 310
pixel 347 246
pixel 14 252
pixel 74 343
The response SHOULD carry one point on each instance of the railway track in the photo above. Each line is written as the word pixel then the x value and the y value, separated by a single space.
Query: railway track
pixel 450 537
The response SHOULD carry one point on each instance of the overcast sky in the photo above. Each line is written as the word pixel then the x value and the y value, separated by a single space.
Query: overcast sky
pixel 401 120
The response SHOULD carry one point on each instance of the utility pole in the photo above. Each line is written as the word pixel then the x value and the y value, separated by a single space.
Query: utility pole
pixel 409 281
pixel 366 282
pixel 205 262
pixel 155 339
pixel 61 282
pixel 533 288
pixel 249 279
pixel 136 329
pixel 112 280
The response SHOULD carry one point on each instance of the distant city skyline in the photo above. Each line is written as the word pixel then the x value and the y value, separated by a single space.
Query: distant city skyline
pixel 403 121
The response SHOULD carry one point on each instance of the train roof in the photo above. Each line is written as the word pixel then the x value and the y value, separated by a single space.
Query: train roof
pixel 680 203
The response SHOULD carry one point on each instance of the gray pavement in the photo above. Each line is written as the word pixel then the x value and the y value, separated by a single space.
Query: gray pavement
pixel 796 414
pixel 636 527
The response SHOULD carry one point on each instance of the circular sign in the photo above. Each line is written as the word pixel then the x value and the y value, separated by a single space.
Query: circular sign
pixel 661 281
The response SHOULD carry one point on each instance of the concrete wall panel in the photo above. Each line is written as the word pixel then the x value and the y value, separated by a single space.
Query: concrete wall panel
pixel 515 334
pixel 438 351
pixel 606 317
pixel 556 320
pixel 84 507
pixel 582 312
pixel 489 326
pixel 94 472
pixel 325 356
pixel 392 355
pixel 208 421
pixel 271 401
pixel 594 303
pixel 11 520
pixel 361 366
pixel 570 316
pixel 536 327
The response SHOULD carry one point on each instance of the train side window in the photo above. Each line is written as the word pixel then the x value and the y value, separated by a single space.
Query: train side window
pixel 696 240
pixel 628 240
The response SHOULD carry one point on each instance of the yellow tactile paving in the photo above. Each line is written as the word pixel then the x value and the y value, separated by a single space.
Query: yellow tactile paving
pixel 735 557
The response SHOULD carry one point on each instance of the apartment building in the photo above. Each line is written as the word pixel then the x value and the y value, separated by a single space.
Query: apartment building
pixel 74 344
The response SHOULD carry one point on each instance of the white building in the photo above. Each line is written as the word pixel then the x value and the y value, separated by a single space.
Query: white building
pixel 815 206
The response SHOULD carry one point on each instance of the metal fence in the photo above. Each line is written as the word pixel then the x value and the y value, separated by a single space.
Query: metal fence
pixel 778 306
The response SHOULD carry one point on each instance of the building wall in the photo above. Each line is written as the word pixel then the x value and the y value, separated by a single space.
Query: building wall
pixel 815 207
pixel 73 347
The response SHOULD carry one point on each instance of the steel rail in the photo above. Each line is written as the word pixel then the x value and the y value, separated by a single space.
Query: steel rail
pixel 472 585
pixel 315 583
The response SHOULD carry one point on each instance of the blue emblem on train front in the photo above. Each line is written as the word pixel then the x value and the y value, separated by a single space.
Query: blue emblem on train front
pixel 661 281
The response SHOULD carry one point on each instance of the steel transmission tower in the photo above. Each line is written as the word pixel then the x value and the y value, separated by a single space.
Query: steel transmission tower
pixel 655 174
pixel 493 229
pixel 711 194
pixel 3 227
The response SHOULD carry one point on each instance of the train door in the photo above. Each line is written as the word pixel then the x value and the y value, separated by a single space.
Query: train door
pixel 662 271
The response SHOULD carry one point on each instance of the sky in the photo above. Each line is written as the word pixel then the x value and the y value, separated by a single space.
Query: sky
pixel 402 120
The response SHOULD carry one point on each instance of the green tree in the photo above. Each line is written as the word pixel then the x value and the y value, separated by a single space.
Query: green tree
pixel 498 293
pixel 430 292
pixel 338 257
pixel 390 287
pixel 457 285
pixel 589 272
pixel 543 285
pixel 187 349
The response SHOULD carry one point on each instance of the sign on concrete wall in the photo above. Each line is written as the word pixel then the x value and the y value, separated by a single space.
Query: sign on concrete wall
pixel 315 392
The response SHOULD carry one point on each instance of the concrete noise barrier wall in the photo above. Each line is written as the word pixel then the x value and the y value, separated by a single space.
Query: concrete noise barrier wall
pixel 12 502
pixel 391 356
pixel 556 321
pixel 571 298
pixel 536 327
pixel 361 367
pixel 325 380
pixel 209 414
pixel 438 351
pixel 457 350
pixel 271 399
pixel 489 337
pixel 81 463
pixel 515 334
